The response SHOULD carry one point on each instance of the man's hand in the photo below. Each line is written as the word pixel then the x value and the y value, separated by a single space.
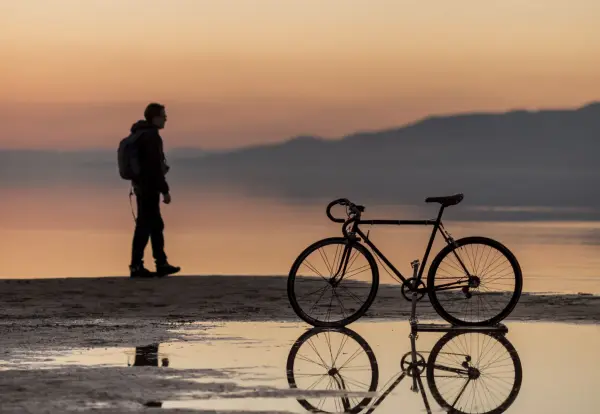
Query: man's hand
pixel 166 198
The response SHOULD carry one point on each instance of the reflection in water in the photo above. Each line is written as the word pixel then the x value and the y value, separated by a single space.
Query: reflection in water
pixel 148 356
pixel 466 371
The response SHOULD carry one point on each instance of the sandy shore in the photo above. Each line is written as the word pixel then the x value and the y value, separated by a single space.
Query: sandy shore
pixel 206 298
pixel 65 312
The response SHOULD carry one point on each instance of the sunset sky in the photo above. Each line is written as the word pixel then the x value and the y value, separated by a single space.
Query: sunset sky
pixel 77 74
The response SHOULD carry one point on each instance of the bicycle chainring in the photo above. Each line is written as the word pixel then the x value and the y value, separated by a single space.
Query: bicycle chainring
pixel 407 292
pixel 406 364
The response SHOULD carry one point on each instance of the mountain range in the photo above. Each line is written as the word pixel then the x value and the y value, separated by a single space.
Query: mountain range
pixel 515 158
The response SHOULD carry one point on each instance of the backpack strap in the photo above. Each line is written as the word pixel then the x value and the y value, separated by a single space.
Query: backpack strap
pixel 131 203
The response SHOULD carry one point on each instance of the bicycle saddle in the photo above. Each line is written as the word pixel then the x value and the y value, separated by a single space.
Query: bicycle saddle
pixel 446 200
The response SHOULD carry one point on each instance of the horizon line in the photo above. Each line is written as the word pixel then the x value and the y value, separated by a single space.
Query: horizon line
pixel 425 118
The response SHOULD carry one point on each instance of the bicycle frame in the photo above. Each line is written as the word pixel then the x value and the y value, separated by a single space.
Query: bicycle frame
pixel 355 219
pixel 413 371
pixel 417 387
pixel 437 226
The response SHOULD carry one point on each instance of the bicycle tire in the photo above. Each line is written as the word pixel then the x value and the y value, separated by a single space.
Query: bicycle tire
pixel 306 336
pixel 292 278
pixel 475 240
pixel 503 341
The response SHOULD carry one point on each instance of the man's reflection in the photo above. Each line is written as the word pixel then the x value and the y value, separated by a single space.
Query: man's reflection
pixel 147 356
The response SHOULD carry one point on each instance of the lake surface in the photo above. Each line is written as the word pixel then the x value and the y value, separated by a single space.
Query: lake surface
pixel 86 232
pixel 253 367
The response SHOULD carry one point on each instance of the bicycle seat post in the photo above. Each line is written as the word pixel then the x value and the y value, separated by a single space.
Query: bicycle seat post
pixel 413 312
pixel 415 266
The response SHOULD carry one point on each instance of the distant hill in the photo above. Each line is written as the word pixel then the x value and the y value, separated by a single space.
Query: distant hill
pixel 516 138
pixel 517 158
pixel 548 158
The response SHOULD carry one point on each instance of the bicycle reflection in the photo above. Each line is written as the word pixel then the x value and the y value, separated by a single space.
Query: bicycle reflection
pixel 467 372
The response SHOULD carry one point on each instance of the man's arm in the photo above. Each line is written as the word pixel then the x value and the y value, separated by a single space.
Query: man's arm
pixel 153 162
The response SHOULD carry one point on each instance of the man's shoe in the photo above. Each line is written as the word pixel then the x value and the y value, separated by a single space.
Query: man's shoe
pixel 139 271
pixel 166 269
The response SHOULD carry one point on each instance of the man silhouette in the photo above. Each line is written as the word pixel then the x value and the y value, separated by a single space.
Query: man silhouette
pixel 147 187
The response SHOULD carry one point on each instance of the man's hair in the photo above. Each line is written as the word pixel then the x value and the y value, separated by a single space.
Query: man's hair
pixel 152 110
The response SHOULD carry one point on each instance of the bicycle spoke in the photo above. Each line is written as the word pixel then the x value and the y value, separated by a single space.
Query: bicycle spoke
pixel 323 254
pixel 352 295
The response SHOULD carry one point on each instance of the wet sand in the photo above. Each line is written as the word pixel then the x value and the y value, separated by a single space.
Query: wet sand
pixel 121 311
pixel 226 298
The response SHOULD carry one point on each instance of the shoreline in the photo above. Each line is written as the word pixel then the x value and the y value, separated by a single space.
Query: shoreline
pixel 387 283
pixel 229 298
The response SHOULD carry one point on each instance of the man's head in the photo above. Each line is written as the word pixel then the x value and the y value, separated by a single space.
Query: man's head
pixel 156 115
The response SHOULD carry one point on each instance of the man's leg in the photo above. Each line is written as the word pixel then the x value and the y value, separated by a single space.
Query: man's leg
pixel 156 233
pixel 143 228
pixel 146 356
pixel 163 268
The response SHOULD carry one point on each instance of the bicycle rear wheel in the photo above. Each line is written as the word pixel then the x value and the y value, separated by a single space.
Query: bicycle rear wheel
pixel 470 372
pixel 333 282
pixel 476 281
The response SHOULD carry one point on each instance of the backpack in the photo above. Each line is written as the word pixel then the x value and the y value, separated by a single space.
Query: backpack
pixel 127 156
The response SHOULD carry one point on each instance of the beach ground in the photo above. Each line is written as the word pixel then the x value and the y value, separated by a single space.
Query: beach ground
pixel 49 316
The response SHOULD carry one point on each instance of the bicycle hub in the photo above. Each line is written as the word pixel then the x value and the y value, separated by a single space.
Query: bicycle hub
pixel 474 282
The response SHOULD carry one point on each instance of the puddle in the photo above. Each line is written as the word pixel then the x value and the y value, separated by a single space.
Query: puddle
pixel 283 367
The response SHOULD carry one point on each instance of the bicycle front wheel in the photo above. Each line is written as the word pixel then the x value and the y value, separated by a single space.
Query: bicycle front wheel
pixel 475 281
pixel 327 363
pixel 333 282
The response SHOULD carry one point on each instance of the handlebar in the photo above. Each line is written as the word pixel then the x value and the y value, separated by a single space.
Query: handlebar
pixel 355 212
pixel 340 201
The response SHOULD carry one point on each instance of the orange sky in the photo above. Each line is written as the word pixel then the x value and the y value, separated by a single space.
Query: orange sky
pixel 78 73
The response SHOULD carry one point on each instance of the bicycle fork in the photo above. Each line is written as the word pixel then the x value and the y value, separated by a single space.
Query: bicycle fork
pixel 343 266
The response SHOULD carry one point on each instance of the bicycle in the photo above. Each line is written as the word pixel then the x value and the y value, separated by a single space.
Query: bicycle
pixel 458 302
pixel 467 372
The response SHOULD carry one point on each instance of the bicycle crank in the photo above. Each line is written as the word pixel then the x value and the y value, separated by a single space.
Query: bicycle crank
pixel 408 286
pixel 412 368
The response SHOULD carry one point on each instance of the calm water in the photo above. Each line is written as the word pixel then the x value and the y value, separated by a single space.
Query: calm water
pixel 513 370
pixel 86 232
